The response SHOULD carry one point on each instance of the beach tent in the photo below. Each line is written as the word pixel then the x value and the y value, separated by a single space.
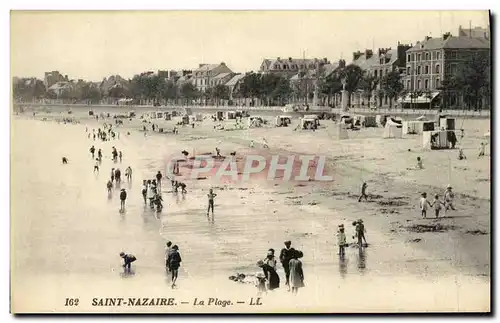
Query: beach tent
pixel 437 139
pixel 282 121
pixel 307 122
pixel 198 117
pixel 446 123
pixel 393 129
pixel 255 122
pixel 219 115
pixel 230 115
pixel 415 127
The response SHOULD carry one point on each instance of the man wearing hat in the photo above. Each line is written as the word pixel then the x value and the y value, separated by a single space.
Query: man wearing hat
pixel 123 197
pixel 286 255
pixel 341 240
pixel 360 232
pixel 448 198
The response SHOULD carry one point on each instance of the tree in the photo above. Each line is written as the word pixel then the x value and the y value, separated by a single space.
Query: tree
pixel 251 86
pixel 392 86
pixel 220 92
pixel 473 78
pixel 330 85
pixel 188 92
pixel 28 89
pixel 90 92
pixel 353 75
pixel 282 91
pixel 171 91
pixel 368 85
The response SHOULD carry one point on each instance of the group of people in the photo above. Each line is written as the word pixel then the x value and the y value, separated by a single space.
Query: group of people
pixel 103 134
pixel 151 190
pixel 437 204
pixel 268 279
pixel 359 235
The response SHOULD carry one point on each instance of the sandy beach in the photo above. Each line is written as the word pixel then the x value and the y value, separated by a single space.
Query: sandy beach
pixel 72 234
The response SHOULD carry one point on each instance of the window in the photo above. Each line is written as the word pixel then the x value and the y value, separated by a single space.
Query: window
pixel 438 83
pixel 438 70
pixel 438 55
pixel 275 66
pixel 408 85
pixel 426 69
pixel 412 57
pixel 426 56
pixel 419 70
pixel 285 67
pixel 419 57
pixel 408 58
pixel 408 70
pixel 426 84
pixel 453 54
pixel 418 85
pixel 376 72
pixel 301 65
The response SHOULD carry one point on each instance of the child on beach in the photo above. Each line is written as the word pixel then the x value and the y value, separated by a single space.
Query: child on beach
pixel 461 155
pixel 424 204
pixel 420 163
pixel 96 166
pixel 448 198
pixel 128 259
pixel 260 283
pixel 437 204
pixel 363 192
pixel 341 240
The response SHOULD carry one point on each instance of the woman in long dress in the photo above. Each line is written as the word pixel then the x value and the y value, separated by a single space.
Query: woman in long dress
pixel 273 280
pixel 296 272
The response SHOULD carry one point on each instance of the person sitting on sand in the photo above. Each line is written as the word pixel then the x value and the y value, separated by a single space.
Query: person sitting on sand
pixel 461 155
pixel 424 204
pixel 420 163
pixel 64 160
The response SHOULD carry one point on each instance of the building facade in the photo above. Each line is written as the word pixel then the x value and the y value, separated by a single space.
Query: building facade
pixel 203 76
pixel 54 77
pixel 291 66
pixel 433 60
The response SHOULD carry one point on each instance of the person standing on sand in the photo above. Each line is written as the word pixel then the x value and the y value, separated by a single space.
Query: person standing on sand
pixel 168 250
pixel 211 196
pixel 272 278
pixel 99 154
pixel 424 204
pixel 271 259
pixel 144 191
pixel 92 151
pixel 174 260
pixel 128 173
pixel 123 197
pixel 363 192
pixel 120 155
pixel 118 175
pixel 159 176
pixel 420 164
pixel 109 185
pixel 482 148
pixel 285 255
pixel 448 198
pixel 264 143
pixel 296 272
pixel 360 232
pixel 341 240
pixel 96 166
pixel 112 174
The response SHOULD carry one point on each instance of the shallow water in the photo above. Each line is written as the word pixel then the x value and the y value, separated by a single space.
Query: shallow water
pixel 67 233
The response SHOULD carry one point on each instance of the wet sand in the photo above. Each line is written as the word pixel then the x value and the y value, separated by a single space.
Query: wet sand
pixel 71 233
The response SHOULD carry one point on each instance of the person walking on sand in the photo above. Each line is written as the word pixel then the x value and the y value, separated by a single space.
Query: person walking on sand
pixel 211 196
pixel 363 192
pixel 128 173
pixel 437 204
pixel 99 154
pixel 174 260
pixel 112 174
pixel 128 259
pixel 360 232
pixel 424 204
pixel 123 197
pixel 461 155
pixel 285 256
pixel 118 175
pixel 448 198
pixel 482 147
pixel 96 166
pixel 272 278
pixel 296 272
pixel 92 151
pixel 341 240
pixel 120 155
pixel 109 185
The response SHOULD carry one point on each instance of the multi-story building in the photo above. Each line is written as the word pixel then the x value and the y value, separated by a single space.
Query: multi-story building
pixel 220 79
pixel 433 60
pixel 53 77
pixel 379 64
pixel 476 32
pixel 233 84
pixel 204 74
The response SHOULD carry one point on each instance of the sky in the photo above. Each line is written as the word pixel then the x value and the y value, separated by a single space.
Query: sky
pixel 92 45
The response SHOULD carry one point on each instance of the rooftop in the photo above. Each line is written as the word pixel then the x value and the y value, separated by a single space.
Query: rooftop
pixel 451 42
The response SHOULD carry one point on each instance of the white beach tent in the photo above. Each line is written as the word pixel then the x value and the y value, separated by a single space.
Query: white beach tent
pixel 393 129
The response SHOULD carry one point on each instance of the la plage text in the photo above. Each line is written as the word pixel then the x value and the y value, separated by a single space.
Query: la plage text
pixel 131 301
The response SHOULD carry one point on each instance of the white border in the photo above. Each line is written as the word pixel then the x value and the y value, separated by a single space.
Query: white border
pixel 6 6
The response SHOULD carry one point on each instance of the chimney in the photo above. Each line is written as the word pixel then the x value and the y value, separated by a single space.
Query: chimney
pixel 446 35
pixel 289 59
pixel 356 55
pixel 368 53
pixel 278 58
pixel 223 64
